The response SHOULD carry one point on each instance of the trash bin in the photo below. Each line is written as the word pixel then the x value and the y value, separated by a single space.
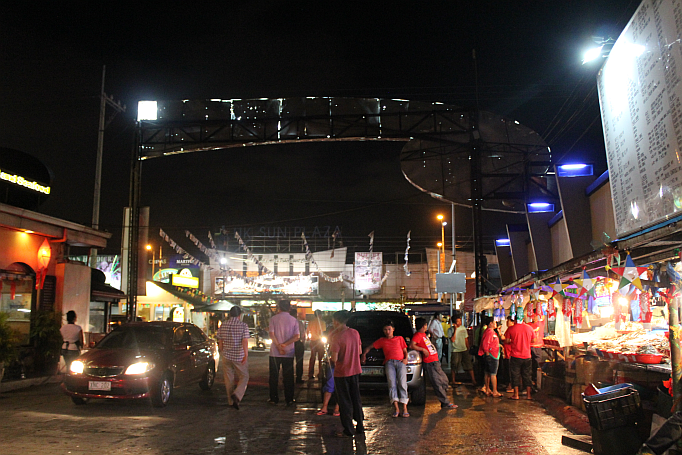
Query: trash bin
pixel 614 414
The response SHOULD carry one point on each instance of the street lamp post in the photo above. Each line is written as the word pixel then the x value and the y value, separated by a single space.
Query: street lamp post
pixel 223 263
pixel 149 248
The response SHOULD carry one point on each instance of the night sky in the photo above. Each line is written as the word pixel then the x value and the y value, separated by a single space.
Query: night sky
pixel 528 69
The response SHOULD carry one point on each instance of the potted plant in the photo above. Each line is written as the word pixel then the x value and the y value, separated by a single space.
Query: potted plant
pixel 8 340
pixel 47 340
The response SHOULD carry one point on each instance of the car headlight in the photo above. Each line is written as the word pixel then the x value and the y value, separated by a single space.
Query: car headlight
pixel 413 357
pixel 268 341
pixel 77 367
pixel 139 368
pixel 324 340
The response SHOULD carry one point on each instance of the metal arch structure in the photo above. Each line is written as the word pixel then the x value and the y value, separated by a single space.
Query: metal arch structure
pixel 188 126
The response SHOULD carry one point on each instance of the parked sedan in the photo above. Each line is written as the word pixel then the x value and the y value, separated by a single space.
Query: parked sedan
pixel 370 325
pixel 143 360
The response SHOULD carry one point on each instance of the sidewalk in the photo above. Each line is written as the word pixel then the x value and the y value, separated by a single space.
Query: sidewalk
pixel 18 384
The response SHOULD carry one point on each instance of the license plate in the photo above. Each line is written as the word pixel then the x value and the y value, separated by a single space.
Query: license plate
pixel 373 371
pixel 99 385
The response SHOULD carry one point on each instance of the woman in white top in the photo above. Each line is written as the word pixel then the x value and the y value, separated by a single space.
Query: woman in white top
pixel 72 334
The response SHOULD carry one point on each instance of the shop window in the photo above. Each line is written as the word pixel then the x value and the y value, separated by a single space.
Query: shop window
pixel 15 299
pixel 97 318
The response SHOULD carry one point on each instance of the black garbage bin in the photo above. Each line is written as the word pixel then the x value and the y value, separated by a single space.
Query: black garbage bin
pixel 615 415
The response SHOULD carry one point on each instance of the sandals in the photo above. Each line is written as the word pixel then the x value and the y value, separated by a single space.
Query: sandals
pixel 322 413
pixel 336 414
pixel 406 414
pixel 396 414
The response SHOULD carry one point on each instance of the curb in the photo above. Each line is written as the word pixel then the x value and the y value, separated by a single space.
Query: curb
pixel 570 417
pixel 30 382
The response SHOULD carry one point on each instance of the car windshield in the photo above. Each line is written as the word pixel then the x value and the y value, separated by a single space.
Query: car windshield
pixel 371 326
pixel 138 338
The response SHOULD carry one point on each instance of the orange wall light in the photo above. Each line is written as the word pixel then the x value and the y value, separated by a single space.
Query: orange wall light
pixel 44 254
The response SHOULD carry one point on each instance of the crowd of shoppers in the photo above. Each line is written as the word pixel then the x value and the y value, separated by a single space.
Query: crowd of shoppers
pixel 511 353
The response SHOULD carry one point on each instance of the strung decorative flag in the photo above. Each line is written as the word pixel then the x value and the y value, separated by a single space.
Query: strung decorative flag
pixel 407 271
pixel 629 274
pixel 334 235
pixel 371 241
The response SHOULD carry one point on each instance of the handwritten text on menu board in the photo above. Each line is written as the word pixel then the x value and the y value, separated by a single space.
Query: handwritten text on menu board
pixel 640 94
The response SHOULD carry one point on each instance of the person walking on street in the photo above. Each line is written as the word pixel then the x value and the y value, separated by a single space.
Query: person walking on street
pixel 315 330
pixel 395 366
pixel 328 387
pixel 460 351
pixel 519 336
pixel 536 345
pixel 490 351
pixel 439 380
pixel 233 342
pixel 299 346
pixel 283 333
pixel 436 331
pixel 345 356
pixel 72 334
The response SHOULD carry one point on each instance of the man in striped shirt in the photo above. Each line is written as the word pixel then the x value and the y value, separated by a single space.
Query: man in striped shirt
pixel 233 341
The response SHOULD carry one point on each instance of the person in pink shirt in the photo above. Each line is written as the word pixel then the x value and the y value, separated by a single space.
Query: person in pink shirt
pixel 395 366
pixel 519 336
pixel 346 349
pixel 490 351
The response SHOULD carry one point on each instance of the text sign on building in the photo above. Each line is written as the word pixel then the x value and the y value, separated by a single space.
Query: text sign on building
pixel 368 268
pixel 640 95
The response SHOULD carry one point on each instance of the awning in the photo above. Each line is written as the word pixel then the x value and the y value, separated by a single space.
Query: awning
pixel 198 302
pixel 100 291
pixel 418 309
pixel 219 307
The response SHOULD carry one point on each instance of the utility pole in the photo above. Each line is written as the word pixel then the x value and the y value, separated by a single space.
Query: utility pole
pixel 103 123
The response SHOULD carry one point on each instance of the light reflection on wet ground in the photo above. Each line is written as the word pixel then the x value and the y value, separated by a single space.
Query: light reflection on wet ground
pixel 479 426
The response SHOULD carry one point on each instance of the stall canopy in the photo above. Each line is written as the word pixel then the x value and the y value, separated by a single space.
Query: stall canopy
pixel 218 307
pixel 197 301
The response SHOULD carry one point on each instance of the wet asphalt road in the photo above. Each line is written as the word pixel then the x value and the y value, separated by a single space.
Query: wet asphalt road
pixel 42 420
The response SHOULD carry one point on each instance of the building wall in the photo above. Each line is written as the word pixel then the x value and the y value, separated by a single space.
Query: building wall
pixel 532 262
pixel 601 209
pixel 561 247
pixel 19 246
pixel 73 292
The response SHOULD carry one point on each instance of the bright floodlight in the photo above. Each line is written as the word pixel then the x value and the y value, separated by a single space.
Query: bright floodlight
pixel 146 110
pixel 540 207
pixel 502 242
pixel 223 260
pixel 592 54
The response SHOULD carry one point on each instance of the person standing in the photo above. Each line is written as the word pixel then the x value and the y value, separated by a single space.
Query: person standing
pixel 490 351
pixel 72 334
pixel 436 331
pixel 283 333
pixel 315 330
pixel 395 366
pixel 345 356
pixel 233 342
pixel 505 370
pixel 299 346
pixel 439 380
pixel 537 343
pixel 460 351
pixel 519 336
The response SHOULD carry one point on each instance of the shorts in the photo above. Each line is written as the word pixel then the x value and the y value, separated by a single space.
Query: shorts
pixel 329 384
pixel 461 358
pixel 520 372
pixel 491 365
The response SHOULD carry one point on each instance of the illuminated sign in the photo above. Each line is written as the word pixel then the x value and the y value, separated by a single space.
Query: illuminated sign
pixel 19 180
pixel 266 284
pixel 185 281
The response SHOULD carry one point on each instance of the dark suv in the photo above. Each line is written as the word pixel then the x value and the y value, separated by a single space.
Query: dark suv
pixel 370 325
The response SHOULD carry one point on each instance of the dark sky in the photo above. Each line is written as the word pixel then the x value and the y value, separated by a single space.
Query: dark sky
pixel 528 69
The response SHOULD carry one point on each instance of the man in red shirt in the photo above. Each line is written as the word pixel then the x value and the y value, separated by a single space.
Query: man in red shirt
pixel 395 366
pixel 420 342
pixel 519 336
pixel 345 356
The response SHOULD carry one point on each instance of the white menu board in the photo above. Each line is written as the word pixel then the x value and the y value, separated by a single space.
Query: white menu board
pixel 368 268
pixel 640 95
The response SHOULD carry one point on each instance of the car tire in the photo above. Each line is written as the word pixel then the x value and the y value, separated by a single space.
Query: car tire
pixel 162 391
pixel 418 394
pixel 79 401
pixel 209 378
